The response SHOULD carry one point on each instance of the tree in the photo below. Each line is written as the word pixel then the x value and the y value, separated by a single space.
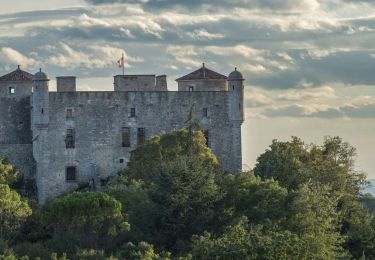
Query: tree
pixel 8 174
pixel 261 201
pixel 87 220
pixel 330 165
pixel 294 163
pixel 13 212
pixel 312 215
pixel 145 161
pixel 308 232
pixel 246 241
pixel 177 175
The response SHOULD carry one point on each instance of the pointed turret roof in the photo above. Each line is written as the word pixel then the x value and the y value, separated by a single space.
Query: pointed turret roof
pixel 17 75
pixel 202 73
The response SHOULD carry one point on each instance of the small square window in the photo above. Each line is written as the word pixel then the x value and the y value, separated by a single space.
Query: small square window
pixel 205 112
pixel 12 90
pixel 69 113
pixel 132 112
pixel 121 160
pixel 71 174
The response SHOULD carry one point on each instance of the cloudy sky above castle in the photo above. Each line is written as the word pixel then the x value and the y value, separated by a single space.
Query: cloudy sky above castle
pixel 309 64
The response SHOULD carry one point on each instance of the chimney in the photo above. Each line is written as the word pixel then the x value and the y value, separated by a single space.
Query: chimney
pixel 66 84
pixel 161 83
pixel 204 71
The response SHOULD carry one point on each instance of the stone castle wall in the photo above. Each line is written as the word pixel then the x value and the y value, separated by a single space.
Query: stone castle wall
pixel 98 120
pixel 21 156
pixel 15 133
pixel 203 85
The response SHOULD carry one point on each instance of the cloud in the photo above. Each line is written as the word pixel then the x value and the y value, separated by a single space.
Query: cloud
pixel 308 94
pixel 94 57
pixel 286 5
pixel 359 107
pixel 12 57
pixel 255 97
pixel 203 34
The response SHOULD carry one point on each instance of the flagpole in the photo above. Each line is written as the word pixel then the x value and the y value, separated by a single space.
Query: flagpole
pixel 123 65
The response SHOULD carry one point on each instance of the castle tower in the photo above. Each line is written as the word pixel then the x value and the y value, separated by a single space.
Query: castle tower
pixel 236 115
pixel 236 87
pixel 203 79
pixel 15 115
pixel 40 121
pixel 40 100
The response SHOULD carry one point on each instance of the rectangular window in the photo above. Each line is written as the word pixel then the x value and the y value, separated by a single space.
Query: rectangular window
pixel 12 90
pixel 206 135
pixel 69 113
pixel 71 174
pixel 69 139
pixel 205 112
pixel 132 112
pixel 191 88
pixel 141 136
pixel 125 137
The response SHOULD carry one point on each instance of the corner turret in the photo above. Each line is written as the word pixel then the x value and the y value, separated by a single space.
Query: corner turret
pixel 40 100
pixel 236 86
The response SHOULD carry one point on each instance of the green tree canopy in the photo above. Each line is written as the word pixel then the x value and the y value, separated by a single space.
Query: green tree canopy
pixel 176 175
pixel 294 163
pixel 13 212
pixel 87 220
pixel 8 174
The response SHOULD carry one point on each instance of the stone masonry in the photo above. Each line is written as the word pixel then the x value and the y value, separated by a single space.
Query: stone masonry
pixel 69 137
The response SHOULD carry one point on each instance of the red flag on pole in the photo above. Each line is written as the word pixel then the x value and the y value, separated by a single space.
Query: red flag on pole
pixel 121 63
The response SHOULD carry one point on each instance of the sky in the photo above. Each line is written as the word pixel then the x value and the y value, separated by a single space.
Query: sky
pixel 309 64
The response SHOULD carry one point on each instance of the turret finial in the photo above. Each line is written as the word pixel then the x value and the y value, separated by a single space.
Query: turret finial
pixel 203 64
pixel 40 69
pixel 235 68
pixel 18 67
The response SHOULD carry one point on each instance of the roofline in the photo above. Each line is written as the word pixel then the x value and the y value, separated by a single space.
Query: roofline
pixel 179 79
pixel 134 75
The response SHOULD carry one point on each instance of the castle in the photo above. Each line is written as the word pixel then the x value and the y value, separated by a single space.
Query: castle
pixel 67 137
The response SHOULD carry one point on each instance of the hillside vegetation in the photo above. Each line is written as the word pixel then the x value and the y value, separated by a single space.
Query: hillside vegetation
pixel 174 201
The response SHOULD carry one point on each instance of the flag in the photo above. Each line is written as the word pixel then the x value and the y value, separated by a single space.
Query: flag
pixel 121 61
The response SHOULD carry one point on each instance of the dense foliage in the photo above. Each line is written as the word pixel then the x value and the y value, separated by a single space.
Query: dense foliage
pixel 174 201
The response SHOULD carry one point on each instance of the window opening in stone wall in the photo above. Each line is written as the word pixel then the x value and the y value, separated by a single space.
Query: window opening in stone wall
pixel 69 113
pixel 233 87
pixel 12 90
pixel 125 137
pixel 121 160
pixel 71 173
pixel 205 112
pixel 191 89
pixel 206 136
pixel 132 112
pixel 69 140
pixel 42 111
pixel 141 136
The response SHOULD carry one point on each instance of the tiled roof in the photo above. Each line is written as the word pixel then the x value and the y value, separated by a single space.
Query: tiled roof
pixel 17 75
pixel 202 73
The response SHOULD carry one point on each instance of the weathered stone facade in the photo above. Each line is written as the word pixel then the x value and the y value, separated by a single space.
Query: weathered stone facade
pixel 15 125
pixel 79 136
